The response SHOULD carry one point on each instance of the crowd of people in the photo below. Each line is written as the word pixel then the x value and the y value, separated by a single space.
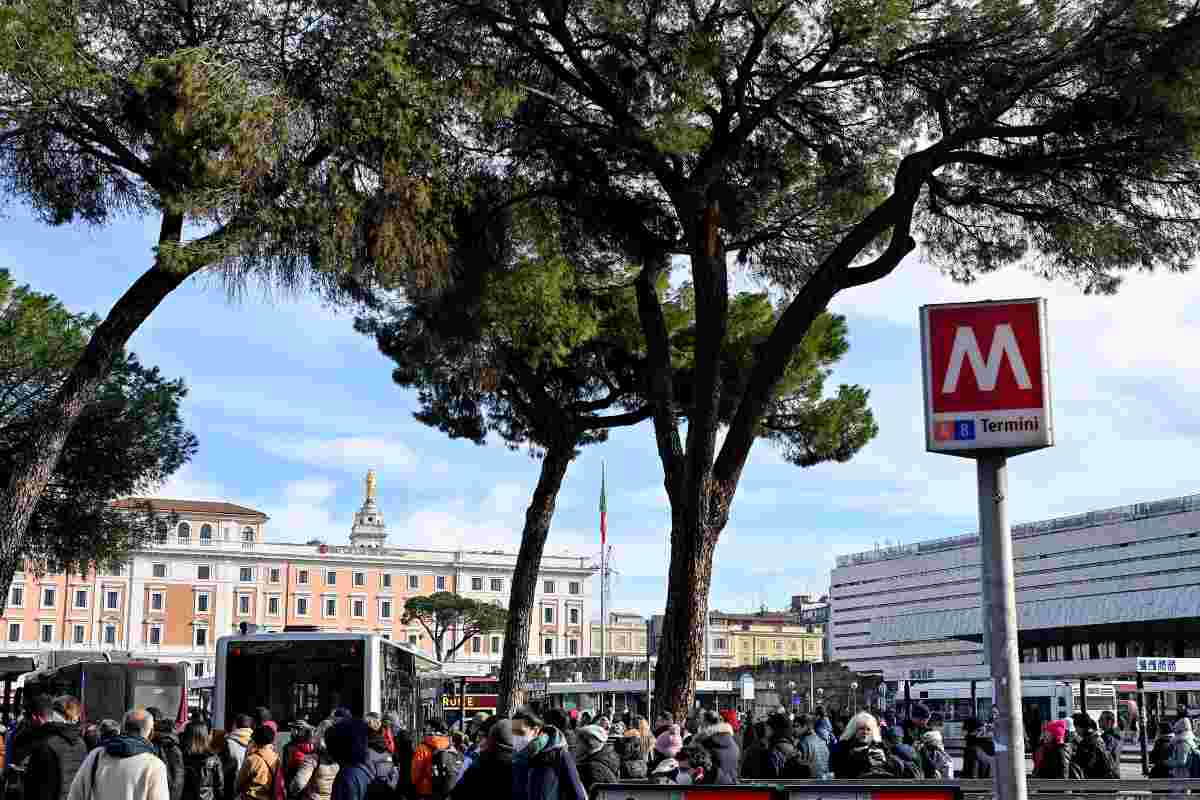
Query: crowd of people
pixel 555 755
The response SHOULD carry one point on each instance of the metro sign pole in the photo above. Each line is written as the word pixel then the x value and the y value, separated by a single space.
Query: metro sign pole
pixel 987 396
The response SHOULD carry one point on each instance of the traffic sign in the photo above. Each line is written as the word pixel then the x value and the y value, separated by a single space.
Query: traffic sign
pixel 986 377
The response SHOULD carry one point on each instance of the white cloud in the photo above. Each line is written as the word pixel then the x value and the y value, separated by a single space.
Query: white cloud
pixel 186 485
pixel 346 453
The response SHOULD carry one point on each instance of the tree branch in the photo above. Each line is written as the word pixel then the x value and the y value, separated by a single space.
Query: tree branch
pixel 661 384
pixel 617 420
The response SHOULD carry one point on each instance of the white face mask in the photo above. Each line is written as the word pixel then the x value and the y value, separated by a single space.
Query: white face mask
pixel 521 742
pixel 684 779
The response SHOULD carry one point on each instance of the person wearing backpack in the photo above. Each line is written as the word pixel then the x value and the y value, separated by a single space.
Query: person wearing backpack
pixel 1180 758
pixel 490 775
pixel 313 779
pixel 346 742
pixel 256 779
pixel 435 765
pixel 1091 758
pixel 203 776
pixel 379 756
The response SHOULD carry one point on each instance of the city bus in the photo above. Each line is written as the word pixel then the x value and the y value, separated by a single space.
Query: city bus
pixel 304 676
pixel 107 689
pixel 482 696
pixel 952 699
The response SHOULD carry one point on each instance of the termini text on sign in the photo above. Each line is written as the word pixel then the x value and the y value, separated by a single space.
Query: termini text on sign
pixel 986 380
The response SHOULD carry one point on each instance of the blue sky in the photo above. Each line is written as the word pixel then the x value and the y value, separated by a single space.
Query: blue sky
pixel 291 407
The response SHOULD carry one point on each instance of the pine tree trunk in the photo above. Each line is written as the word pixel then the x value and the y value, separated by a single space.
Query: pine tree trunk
pixel 525 577
pixel 35 463
pixel 681 649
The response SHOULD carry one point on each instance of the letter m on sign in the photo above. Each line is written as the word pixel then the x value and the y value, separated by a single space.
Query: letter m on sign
pixel 985 357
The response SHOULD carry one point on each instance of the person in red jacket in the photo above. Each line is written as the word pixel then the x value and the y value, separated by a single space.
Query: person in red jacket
pixel 435 739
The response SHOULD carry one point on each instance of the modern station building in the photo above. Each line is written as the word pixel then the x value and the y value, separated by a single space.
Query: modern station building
pixel 214 566
pixel 1091 588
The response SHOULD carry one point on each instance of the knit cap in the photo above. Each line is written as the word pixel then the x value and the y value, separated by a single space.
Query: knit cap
pixel 669 743
pixel 591 738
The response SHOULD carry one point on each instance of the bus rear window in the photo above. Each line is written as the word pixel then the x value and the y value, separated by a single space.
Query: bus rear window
pixel 296 680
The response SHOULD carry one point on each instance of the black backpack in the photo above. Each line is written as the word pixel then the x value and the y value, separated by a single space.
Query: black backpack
pixel 445 764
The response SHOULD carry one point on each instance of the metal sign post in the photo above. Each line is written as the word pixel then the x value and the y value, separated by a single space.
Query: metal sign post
pixel 987 397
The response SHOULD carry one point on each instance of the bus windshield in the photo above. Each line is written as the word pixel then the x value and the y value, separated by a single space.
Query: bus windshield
pixel 296 680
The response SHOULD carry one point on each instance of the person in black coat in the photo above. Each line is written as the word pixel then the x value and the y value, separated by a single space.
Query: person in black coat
pixel 860 752
pixel 203 773
pixel 718 739
pixel 51 752
pixel 557 718
pixel 979 752
pixel 595 758
pixel 490 775
pixel 166 744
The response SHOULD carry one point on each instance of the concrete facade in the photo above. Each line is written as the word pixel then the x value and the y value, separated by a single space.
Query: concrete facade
pixel 1104 584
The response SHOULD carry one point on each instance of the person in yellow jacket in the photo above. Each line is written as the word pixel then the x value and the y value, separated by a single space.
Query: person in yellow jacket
pixel 258 770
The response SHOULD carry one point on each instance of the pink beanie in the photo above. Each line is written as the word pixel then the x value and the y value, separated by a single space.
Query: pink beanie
pixel 669 742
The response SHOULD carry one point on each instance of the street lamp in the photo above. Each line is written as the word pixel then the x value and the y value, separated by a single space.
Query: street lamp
pixel 791 695
pixel 854 696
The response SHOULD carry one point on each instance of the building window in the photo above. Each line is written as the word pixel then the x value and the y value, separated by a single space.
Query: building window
pixel 160 532
pixel 548 615
pixel 331 606
pixel 547 646
pixel 185 533
pixel 81 598
pixel 16 597
pixel 243 604
pixel 116 570
pixel 497 584
pixel 573 647
pixel 204 572
pixel 477 644
pixel 273 575
pixel 495 644
pixel 201 637
pixel 302 576
pixel 412 640
pixel 112 600
pixel 385 609
pixel 110 634
pixel 246 574
pixel 247 534
pixel 575 587
pixel 201 602
pixel 414 581
pixel 622 642
pixel 360 579
pixel 14 631
pixel 358 608
pixel 158 570
pixel 441 583
pixel 573 616
pixel 156 634
pixel 47 633
pixel 301 606
pixel 206 534
pixel 48 597
pixel 720 644
pixel 200 669
pixel 476 584
pixel 385 580
pixel 273 606
pixel 78 634
pixel 156 601
pixel 548 587
pixel 330 577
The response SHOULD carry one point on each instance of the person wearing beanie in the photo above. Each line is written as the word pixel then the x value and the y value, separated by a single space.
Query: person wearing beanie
pixel 1053 757
pixel 596 758
pixel 491 773
pixel 666 746
pixel 379 756
pixel 346 742
pixel 777 749
pixel 918 725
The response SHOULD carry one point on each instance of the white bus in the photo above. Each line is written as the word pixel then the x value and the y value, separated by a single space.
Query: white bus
pixel 1048 699
pixel 305 676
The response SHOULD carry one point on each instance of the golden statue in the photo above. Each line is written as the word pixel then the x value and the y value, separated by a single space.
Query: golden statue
pixel 370 485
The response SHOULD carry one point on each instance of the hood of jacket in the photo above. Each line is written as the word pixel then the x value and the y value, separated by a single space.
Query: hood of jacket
pixel 720 737
pixel 166 740
pixel 378 742
pixel 436 741
pixel 53 730
pixel 548 745
pixel 124 746
pixel 606 755
pixel 241 736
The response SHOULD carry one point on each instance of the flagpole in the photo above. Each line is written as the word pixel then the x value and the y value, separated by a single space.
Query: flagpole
pixel 603 581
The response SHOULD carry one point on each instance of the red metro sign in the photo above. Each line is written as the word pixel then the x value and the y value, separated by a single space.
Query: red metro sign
pixel 986 378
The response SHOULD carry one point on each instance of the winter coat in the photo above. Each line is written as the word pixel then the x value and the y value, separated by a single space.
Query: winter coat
pixel 812 751
pixel 237 742
pixel 602 766
pixel 545 770
pixel 1159 754
pixel 203 777
pixel 257 773
pixel 979 755
pixel 379 758
pixel 125 768
pixel 490 776
pixel 941 768
pixel 1092 757
pixel 768 762
pixel 52 754
pixel 1180 754
pixel 422 763
pixel 904 761
pixel 346 743
pixel 1054 763
pixel 229 773
pixel 721 744
pixel 824 728
pixel 633 757
pixel 313 779
pixel 853 759
pixel 1113 744
pixel 167 745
